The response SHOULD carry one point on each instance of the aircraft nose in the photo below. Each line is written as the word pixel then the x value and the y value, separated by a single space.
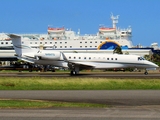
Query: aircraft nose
pixel 155 65
pixel 152 66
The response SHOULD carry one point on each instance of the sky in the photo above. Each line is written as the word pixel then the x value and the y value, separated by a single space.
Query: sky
pixel 34 16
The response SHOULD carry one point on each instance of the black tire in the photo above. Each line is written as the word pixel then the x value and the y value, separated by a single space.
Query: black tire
pixel 146 73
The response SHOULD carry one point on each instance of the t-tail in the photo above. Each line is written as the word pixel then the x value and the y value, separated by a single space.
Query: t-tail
pixel 21 49
pixel 23 52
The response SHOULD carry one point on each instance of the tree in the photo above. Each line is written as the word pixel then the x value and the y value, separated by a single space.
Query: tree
pixel 147 57
pixel 118 50
pixel 156 58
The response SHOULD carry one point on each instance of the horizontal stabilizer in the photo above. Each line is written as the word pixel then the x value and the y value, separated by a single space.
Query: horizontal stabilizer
pixel 14 36
pixel 26 60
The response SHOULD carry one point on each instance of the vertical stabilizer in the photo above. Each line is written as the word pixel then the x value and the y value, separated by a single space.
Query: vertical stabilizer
pixel 21 49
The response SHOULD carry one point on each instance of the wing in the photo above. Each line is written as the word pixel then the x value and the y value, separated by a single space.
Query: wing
pixel 83 65
pixel 96 65
pixel 26 60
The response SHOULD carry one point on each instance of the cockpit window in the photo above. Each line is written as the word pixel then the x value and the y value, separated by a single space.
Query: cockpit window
pixel 141 58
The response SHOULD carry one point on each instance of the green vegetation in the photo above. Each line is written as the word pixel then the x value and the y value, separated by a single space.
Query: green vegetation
pixel 43 104
pixel 40 83
pixel 154 58
pixel 118 50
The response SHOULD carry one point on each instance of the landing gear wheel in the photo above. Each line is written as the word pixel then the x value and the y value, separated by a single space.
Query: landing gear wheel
pixel 73 73
pixel 146 73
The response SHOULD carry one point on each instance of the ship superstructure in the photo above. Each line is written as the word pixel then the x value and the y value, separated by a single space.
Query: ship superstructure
pixel 61 38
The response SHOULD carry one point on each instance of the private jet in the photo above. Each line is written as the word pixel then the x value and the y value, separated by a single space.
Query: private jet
pixel 78 61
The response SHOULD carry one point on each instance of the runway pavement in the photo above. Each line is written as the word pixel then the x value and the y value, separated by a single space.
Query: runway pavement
pixel 109 97
pixel 136 113
pixel 124 105
pixel 133 75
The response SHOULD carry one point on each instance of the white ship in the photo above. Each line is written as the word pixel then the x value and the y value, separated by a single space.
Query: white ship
pixel 65 39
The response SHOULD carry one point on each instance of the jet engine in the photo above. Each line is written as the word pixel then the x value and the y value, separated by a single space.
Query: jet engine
pixel 56 55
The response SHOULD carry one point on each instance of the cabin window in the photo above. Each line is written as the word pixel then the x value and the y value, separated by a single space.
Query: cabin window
pixel 79 57
pixel 85 42
pixel 100 41
pixel 107 58
pixel 40 42
pixel 90 46
pixel 1 42
pixel 74 57
pixel 55 42
pixel 6 42
pixel 90 42
pixel 35 42
pixel 115 58
pixel 80 42
pixel 60 42
pixel 70 46
pixel 22 42
pixel 95 46
pixel 60 46
pixel 46 43
pixel 30 42
pixel 80 46
pixel 141 58
pixel 85 46
pixel 84 57
pixel 111 58
pixel 65 42
pixel 65 46
pixel 89 57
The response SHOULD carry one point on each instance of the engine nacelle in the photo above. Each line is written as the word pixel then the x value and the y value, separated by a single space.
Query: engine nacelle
pixel 56 55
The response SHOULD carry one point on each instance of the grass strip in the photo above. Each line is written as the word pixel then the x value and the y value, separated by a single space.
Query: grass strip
pixel 40 83
pixel 45 104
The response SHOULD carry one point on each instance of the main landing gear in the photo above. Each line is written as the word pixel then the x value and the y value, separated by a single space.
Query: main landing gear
pixel 74 69
pixel 73 73
pixel 146 72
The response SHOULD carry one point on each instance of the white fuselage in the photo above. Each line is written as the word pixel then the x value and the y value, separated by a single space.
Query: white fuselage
pixel 96 60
